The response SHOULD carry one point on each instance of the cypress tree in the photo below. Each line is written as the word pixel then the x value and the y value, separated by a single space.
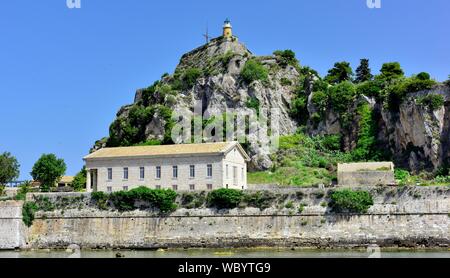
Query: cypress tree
pixel 363 72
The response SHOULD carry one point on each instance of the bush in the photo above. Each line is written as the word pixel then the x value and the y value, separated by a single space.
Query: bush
pixel 319 99
pixel 432 101
pixel 253 71
pixel 101 199
pixel 79 181
pixel 28 211
pixel 342 96
pixel 286 57
pixel 162 199
pixel 261 200
pixel 224 198
pixel 2 190
pixel 348 200
pixel 391 71
pixel 370 88
pixel 285 82
pixel 23 190
pixel 253 103
pixel 396 93
pixel 423 76
pixel 190 77
pixel 401 175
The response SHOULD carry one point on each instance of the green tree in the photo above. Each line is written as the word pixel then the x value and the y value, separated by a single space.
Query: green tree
pixel 339 73
pixel 391 71
pixel 447 82
pixel 9 168
pixel 79 181
pixel 254 70
pixel 286 57
pixel 424 76
pixel 363 72
pixel 48 170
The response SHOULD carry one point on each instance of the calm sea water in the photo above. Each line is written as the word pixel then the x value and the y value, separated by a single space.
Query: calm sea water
pixel 229 253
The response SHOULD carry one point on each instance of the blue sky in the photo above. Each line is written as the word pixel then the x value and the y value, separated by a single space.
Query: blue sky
pixel 64 73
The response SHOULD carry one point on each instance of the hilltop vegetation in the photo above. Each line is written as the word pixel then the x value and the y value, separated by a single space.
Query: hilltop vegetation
pixel 344 116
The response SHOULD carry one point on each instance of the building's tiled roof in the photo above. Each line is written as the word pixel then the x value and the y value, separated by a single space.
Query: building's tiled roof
pixel 163 150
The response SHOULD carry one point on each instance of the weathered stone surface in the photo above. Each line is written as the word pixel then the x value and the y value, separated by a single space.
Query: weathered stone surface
pixel 407 216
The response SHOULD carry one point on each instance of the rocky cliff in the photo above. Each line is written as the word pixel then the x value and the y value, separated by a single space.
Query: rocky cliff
pixel 416 136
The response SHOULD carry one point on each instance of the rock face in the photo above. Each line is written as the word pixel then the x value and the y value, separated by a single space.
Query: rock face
pixel 208 80
pixel 418 137
pixel 217 89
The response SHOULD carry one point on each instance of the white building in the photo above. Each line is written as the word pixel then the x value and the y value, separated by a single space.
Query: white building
pixel 180 167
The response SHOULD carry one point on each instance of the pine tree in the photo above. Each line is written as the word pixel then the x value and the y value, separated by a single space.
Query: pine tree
pixel 363 72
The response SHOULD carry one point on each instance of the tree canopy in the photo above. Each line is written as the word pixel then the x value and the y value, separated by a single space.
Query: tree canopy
pixel 363 72
pixel 339 73
pixel 48 170
pixel 9 168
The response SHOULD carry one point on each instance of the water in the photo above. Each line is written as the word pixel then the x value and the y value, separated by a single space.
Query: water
pixel 230 253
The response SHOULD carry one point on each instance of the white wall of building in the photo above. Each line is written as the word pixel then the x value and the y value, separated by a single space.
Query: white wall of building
pixel 236 165
pixel 183 182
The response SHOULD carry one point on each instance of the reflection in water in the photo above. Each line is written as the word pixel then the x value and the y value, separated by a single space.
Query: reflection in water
pixel 231 253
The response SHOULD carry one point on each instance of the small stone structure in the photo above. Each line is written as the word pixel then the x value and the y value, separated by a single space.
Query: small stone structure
pixel 367 174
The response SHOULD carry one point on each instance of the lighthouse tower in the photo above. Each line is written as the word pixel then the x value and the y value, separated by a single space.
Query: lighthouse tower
pixel 227 29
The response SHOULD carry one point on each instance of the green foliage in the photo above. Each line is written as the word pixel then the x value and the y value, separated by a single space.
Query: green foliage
pixel 303 161
pixel 2 190
pixel 259 199
pixel 48 170
pixel 348 200
pixel 161 199
pixel 432 101
pixel 253 103
pixel 224 198
pixel 9 168
pixel 320 100
pixel 339 73
pixel 299 109
pixel 365 146
pixel 23 190
pixel 253 71
pixel 190 77
pixel 226 58
pixel 79 181
pixel 390 71
pixel 370 88
pixel 151 142
pixel 285 82
pixel 401 175
pixel 424 76
pixel 342 96
pixel 397 91
pixel 28 211
pixel 286 57
pixel 101 199
pixel 363 72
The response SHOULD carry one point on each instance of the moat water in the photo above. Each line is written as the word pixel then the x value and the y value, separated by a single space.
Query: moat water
pixel 231 253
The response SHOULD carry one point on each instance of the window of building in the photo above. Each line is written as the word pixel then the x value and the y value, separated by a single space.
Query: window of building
pixel 109 174
pixel 109 189
pixel 125 173
pixel 235 177
pixel 226 172
pixel 125 188
pixel 157 186
pixel 175 172
pixel 242 174
pixel 142 173
pixel 158 172
pixel 192 187
pixel 192 171
pixel 209 186
pixel 209 170
pixel 175 187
